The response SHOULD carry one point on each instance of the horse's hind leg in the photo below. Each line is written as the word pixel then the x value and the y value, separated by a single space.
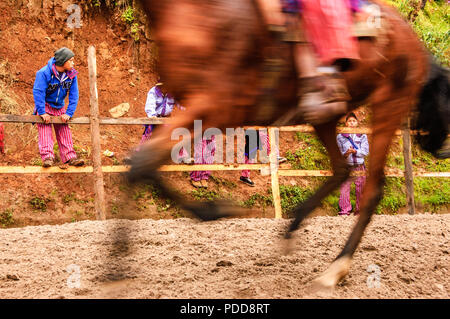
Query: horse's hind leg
pixel 385 122
pixel 341 171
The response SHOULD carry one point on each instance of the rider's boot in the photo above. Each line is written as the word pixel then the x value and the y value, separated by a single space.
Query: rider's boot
pixel 323 97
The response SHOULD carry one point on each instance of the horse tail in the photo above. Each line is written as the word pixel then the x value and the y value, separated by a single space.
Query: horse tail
pixel 433 120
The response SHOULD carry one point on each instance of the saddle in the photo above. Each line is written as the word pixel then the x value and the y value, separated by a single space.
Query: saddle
pixel 368 23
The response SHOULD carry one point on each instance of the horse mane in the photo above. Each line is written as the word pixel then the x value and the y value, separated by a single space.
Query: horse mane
pixel 433 118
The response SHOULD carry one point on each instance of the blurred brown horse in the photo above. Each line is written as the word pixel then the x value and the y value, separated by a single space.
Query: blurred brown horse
pixel 215 58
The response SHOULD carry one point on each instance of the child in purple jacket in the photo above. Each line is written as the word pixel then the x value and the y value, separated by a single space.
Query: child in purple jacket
pixel 354 147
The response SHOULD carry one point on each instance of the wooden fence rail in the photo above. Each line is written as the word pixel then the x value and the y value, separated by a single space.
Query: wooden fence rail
pixel 270 168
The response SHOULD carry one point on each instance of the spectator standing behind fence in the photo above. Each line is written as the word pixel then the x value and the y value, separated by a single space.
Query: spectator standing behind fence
pixel 204 152
pixel 354 147
pixel 2 139
pixel 53 83
pixel 159 104
pixel 263 144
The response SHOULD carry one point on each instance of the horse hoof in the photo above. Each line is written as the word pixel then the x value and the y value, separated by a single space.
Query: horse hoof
pixel 287 246
pixel 331 277
pixel 210 211
pixel 320 289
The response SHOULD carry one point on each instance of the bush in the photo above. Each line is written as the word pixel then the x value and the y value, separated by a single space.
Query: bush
pixel 39 203
pixel 6 218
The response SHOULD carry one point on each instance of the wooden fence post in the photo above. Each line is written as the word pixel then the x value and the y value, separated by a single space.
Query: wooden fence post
pixel 274 172
pixel 99 190
pixel 407 156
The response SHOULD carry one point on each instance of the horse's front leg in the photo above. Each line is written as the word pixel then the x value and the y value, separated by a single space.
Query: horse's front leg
pixel 384 127
pixel 327 134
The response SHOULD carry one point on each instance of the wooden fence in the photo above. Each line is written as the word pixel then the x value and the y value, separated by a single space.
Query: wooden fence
pixel 270 168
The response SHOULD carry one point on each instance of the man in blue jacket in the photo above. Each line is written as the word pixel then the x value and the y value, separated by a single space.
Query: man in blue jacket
pixel 53 83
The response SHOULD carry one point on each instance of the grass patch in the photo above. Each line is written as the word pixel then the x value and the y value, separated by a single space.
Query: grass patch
pixel 394 196
pixel 203 194
pixel 258 200
pixel 292 196
pixel 432 193
pixel 222 182
pixel 426 161
pixel 73 198
pixel 37 161
pixel 146 195
pixel 310 155
pixel 432 25
pixel 6 218
pixel 39 203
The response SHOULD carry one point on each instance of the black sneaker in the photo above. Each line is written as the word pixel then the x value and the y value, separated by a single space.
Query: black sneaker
pixel 247 181
pixel 75 162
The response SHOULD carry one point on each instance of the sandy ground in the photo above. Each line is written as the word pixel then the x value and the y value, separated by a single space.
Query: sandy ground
pixel 400 257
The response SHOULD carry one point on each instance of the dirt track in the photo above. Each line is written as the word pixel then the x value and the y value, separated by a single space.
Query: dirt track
pixel 239 258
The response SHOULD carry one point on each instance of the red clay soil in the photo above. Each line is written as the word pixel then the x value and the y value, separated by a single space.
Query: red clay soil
pixel 400 257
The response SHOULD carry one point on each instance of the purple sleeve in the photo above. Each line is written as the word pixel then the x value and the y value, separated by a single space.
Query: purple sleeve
pixel 290 6
pixel 355 5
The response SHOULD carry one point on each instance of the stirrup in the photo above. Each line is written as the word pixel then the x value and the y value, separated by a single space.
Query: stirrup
pixel 278 32
pixel 322 99
pixel 335 88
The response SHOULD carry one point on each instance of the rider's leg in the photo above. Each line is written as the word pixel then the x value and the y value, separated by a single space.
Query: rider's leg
pixel 322 21
pixel 321 91
pixel 271 12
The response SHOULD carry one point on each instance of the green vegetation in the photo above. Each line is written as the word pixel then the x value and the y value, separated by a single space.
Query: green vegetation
pixel 394 196
pixel 291 196
pixel 146 195
pixel 128 15
pixel 82 152
pixel 259 200
pixel 104 3
pixel 6 218
pixel 36 161
pixel 310 155
pixel 203 194
pixel 114 209
pixel 134 30
pixel 221 182
pixel 73 198
pixel 431 194
pixel 39 203
pixel 432 24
